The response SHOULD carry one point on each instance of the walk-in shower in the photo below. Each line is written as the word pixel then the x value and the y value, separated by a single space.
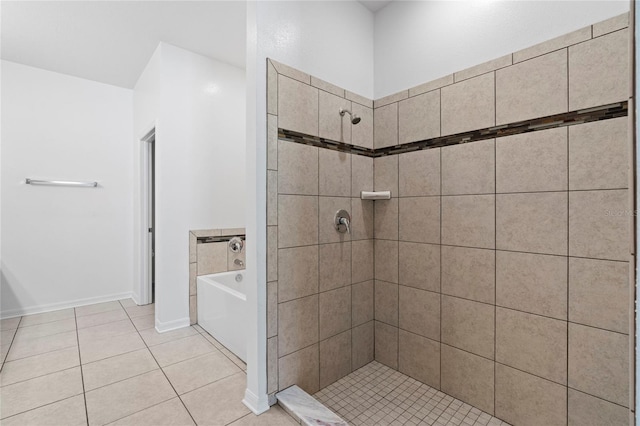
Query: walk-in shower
pixel 488 284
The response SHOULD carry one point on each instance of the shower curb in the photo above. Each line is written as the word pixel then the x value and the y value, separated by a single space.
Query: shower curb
pixel 306 409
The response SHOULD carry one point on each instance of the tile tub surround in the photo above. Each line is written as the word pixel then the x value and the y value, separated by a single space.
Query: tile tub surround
pixel 320 282
pixel 505 286
pixel 209 253
pixel 98 365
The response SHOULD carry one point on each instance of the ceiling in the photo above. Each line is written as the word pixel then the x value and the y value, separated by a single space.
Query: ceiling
pixel 375 5
pixel 117 38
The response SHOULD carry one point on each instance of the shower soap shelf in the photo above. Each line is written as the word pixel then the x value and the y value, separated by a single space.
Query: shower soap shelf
pixel 375 195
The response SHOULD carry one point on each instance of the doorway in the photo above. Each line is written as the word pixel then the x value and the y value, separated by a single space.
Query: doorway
pixel 148 228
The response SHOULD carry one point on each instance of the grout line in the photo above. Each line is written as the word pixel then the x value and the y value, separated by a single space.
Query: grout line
pixel 595 328
pixel 163 372
pixel 397 287
pixel 568 285
pixel 43 353
pixel 41 406
pixel 154 405
pixel 598 397
pixel 26 327
pixel 113 356
pixel 122 380
pixel 515 251
pixel 4 358
pixel 495 257
pixel 317 292
pixel 242 367
pixel 464 194
pixel 440 296
pixel 84 394
pixel 350 262
pixel 215 381
pixel 373 241
pixel 42 375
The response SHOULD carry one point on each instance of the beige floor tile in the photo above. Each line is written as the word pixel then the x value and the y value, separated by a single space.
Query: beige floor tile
pixel 47 317
pixel 68 412
pixel 24 347
pixel 47 329
pixel 151 337
pixel 168 413
pixel 138 311
pixel 199 329
pixel 219 402
pixel 9 323
pixel 34 393
pixel 144 322
pixel 107 330
pixel 6 338
pixel 127 303
pixel 276 416
pixel 196 372
pixel 94 349
pixel 98 308
pixel 101 318
pixel 117 368
pixel 226 352
pixel 180 350
pixel 127 397
pixel 39 365
pixel 212 340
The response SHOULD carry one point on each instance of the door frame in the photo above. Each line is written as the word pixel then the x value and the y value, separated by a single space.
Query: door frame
pixel 145 284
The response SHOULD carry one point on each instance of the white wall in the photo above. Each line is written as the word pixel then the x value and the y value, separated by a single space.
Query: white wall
pixel 146 109
pixel 64 246
pixel 198 105
pixel 418 41
pixel 330 40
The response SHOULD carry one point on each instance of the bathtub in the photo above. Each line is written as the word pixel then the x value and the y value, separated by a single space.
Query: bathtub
pixel 222 305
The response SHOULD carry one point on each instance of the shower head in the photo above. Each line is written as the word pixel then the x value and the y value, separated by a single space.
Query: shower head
pixel 354 118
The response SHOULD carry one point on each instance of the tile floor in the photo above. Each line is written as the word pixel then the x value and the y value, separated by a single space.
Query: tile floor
pixel 106 364
pixel 378 395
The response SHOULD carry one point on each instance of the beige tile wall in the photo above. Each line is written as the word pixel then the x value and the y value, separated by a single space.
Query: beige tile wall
pixel 210 258
pixel 521 291
pixel 320 282
pixel 517 299
pixel 498 272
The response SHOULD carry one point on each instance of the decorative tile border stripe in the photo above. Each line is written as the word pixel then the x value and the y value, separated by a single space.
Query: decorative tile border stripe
pixel 220 239
pixel 303 138
pixel 603 112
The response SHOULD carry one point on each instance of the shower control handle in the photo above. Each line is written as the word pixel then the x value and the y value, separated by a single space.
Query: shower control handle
pixel 342 222
pixel 236 245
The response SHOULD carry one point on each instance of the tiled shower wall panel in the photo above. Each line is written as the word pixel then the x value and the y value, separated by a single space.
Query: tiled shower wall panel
pixel 210 258
pixel 501 266
pixel 320 282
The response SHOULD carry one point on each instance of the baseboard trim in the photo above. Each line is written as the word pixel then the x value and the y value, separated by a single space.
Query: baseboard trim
pixel 135 298
pixel 254 403
pixel 63 305
pixel 163 327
